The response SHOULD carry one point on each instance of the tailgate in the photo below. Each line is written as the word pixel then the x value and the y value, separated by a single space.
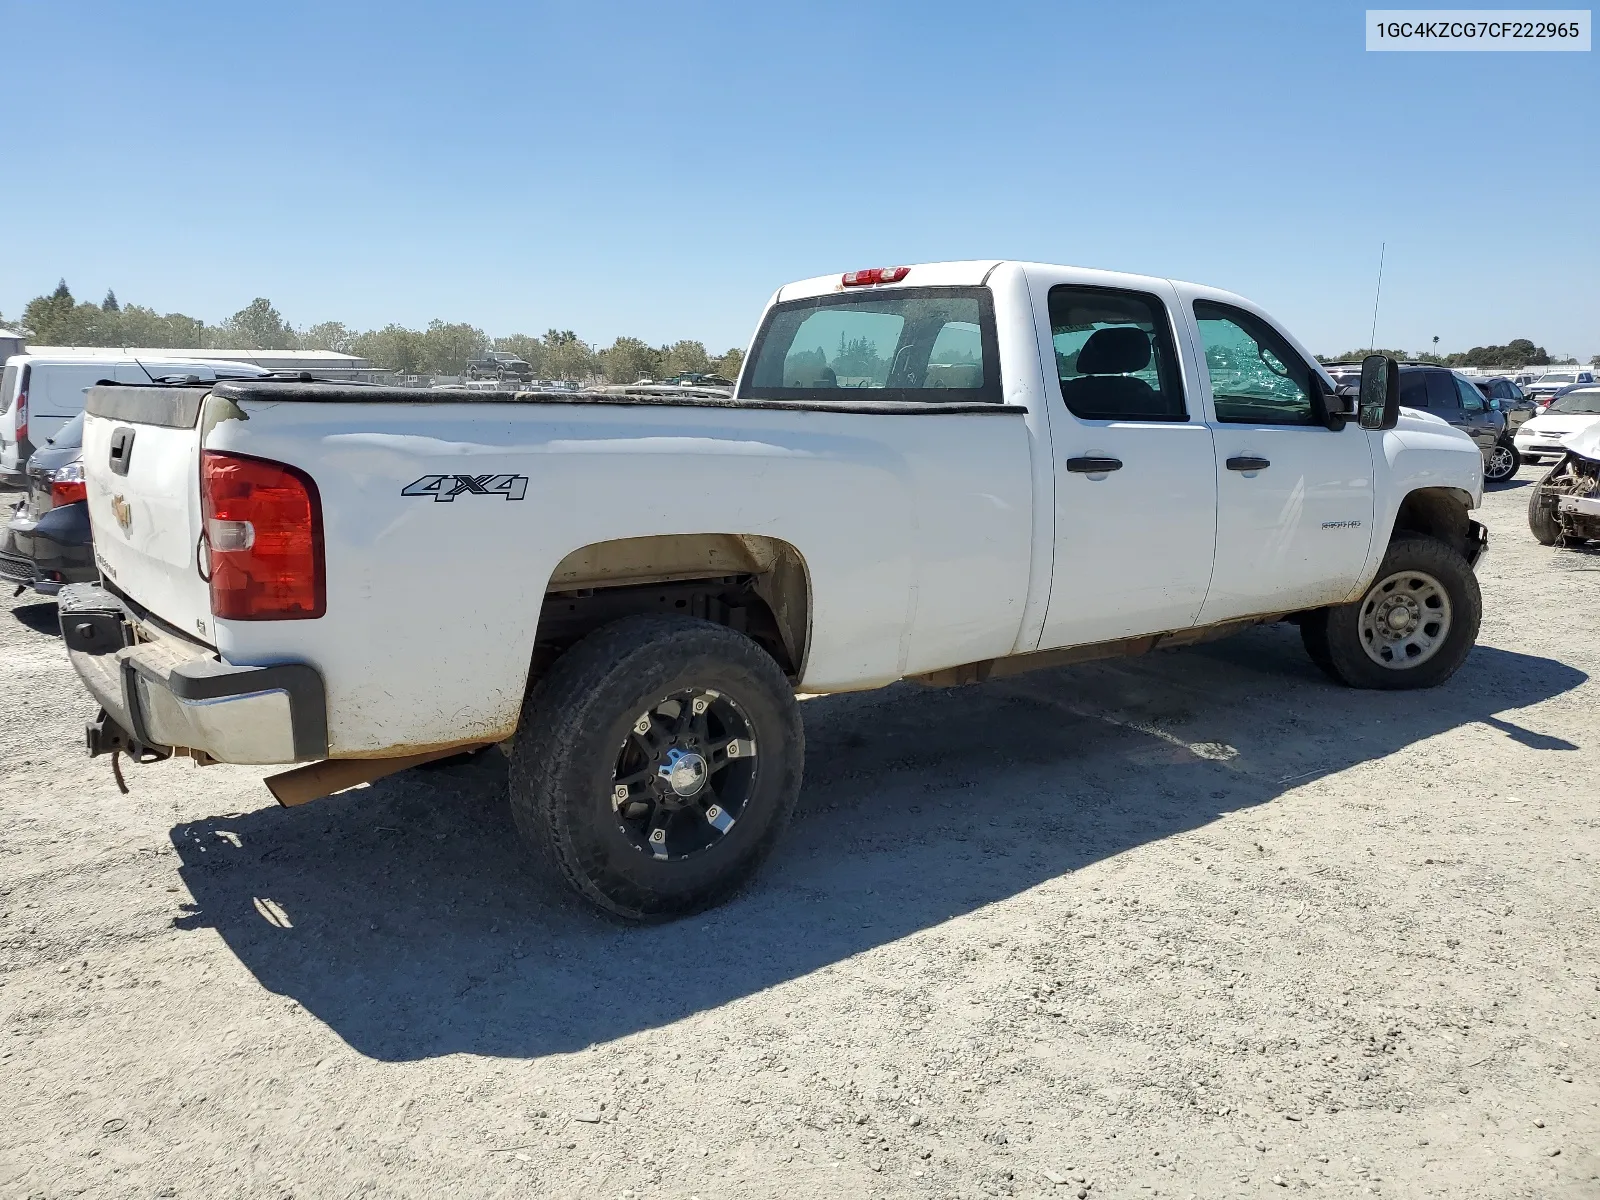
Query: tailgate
pixel 141 462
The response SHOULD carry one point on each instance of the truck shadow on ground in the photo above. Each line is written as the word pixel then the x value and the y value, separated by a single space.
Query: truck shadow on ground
pixel 42 617
pixel 408 917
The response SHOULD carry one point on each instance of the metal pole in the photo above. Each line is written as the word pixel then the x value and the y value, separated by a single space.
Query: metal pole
pixel 1372 340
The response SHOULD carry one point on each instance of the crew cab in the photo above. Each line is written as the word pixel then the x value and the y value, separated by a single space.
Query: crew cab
pixel 944 473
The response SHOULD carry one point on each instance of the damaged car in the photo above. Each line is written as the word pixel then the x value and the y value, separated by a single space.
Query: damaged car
pixel 1565 506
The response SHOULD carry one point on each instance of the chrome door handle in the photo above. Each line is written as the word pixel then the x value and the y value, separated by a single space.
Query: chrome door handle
pixel 1093 465
pixel 1248 462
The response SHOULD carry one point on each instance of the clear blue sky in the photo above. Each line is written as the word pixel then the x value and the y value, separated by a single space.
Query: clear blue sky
pixel 657 169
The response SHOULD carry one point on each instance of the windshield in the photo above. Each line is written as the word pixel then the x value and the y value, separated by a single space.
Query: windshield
pixel 1586 402
pixel 69 436
pixel 1556 380
pixel 931 344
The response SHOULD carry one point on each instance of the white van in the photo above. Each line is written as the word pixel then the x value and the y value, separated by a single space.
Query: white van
pixel 39 393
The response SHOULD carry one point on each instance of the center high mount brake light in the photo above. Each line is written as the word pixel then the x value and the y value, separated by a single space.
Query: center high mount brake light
pixel 875 275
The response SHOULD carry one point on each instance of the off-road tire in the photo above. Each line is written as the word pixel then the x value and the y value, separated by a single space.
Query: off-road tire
pixel 1542 522
pixel 1332 636
pixel 576 718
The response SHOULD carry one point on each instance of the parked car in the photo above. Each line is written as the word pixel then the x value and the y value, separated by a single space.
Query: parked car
pixel 498 366
pixel 1551 382
pixel 39 393
pixel 1455 399
pixel 916 478
pixel 1510 399
pixel 1565 504
pixel 1545 402
pixel 1573 411
pixel 699 379
pixel 46 542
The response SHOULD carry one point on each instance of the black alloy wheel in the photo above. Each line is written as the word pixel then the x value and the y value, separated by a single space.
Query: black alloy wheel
pixel 684 774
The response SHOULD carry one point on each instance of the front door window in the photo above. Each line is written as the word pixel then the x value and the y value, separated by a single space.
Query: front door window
pixel 1256 377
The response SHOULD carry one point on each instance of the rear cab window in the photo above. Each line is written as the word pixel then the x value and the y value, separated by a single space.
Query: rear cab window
pixel 1115 357
pixel 929 345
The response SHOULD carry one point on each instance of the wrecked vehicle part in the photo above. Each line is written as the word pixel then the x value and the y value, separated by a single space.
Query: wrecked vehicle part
pixel 1565 505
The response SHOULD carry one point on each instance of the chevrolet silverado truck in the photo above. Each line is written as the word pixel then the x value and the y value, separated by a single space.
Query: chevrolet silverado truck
pixel 942 473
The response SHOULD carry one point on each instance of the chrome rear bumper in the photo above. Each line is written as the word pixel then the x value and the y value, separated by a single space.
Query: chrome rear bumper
pixel 168 694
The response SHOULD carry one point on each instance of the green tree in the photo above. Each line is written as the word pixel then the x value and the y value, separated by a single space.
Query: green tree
pixel 47 317
pixel 145 327
pixel 728 364
pixel 109 304
pixel 567 356
pixel 682 357
pixel 1519 352
pixel 446 347
pixel 394 347
pixel 257 326
pixel 1358 355
pixel 328 335
pixel 628 360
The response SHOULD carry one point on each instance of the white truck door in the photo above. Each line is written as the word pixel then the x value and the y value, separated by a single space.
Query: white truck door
pixel 1294 497
pixel 1136 487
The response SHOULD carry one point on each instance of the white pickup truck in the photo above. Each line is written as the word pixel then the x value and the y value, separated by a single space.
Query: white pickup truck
pixel 944 472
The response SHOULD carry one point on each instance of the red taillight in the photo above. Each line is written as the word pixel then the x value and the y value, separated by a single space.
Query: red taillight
pixel 263 530
pixel 875 275
pixel 67 493
pixel 22 413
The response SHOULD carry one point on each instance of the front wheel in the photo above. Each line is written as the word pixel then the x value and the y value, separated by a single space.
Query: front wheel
pixel 1502 463
pixel 1542 520
pixel 1412 629
pixel 657 764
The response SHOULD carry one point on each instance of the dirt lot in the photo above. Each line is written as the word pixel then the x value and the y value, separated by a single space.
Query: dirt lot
pixel 1200 923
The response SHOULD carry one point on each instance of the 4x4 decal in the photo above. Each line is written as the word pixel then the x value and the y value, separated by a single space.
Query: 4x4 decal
pixel 448 487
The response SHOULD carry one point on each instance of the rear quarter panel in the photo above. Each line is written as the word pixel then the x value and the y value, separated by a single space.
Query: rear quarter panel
pixel 914 530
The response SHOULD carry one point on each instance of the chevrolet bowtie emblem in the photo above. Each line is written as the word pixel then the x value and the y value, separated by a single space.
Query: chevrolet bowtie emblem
pixel 123 513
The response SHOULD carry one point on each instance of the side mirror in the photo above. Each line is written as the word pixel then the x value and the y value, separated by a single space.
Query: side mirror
pixel 1379 402
pixel 1337 408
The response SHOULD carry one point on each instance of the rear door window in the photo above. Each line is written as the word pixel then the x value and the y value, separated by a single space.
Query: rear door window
pixel 8 386
pixel 928 344
pixel 1115 358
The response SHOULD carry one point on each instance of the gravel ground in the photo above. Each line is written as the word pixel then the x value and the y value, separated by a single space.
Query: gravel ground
pixel 1199 923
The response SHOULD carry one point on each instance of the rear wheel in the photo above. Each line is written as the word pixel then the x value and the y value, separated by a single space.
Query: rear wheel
pixel 1412 629
pixel 657 764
